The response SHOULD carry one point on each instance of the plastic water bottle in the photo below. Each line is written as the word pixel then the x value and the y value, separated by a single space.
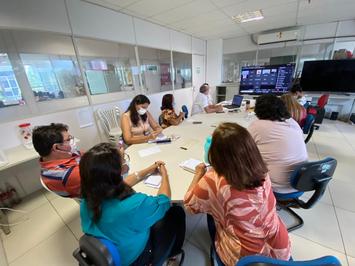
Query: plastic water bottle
pixel 13 195
pixel 5 198
pixel 207 148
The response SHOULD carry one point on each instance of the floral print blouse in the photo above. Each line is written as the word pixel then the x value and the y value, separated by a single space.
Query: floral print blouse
pixel 246 221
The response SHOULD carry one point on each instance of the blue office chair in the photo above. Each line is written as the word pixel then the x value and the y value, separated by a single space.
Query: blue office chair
pixel 309 176
pixel 266 261
pixel 185 110
pixel 308 127
pixel 94 251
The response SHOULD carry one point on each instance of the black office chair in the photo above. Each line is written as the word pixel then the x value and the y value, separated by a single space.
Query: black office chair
pixel 185 110
pixel 94 251
pixel 309 176
pixel 308 127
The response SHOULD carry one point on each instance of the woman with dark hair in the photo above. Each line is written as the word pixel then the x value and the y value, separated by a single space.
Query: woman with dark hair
pixel 168 115
pixel 203 102
pixel 138 125
pixel 236 193
pixel 145 229
pixel 279 139
pixel 297 92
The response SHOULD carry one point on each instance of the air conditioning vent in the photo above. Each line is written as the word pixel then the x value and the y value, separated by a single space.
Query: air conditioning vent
pixel 278 36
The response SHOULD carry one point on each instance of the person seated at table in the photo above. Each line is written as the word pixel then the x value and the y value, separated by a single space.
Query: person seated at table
pixel 297 92
pixel 147 230
pixel 279 139
pixel 168 115
pixel 297 111
pixel 203 102
pixel 59 160
pixel 138 125
pixel 236 194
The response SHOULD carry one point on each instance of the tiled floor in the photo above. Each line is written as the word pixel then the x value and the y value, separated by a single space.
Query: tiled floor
pixel 51 228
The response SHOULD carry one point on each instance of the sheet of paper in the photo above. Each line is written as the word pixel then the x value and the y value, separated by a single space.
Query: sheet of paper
pixel 153 181
pixel 149 151
pixel 161 136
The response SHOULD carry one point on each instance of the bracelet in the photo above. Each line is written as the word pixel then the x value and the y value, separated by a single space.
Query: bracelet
pixel 137 176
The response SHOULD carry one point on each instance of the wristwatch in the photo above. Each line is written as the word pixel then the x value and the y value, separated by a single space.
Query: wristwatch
pixel 137 176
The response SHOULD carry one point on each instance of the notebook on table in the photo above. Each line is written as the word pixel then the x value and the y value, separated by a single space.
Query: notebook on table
pixel 190 165
pixel 153 181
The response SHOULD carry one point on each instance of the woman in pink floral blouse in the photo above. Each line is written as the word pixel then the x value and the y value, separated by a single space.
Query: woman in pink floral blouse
pixel 237 193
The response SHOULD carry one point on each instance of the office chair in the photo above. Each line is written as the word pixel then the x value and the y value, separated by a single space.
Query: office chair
pixel 110 121
pixel 318 111
pixel 185 110
pixel 257 260
pixel 308 127
pixel 309 176
pixel 94 251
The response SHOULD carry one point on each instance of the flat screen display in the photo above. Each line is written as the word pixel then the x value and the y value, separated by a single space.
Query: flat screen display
pixel 274 79
pixel 329 75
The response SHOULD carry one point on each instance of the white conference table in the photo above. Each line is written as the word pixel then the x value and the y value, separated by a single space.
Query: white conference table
pixel 192 137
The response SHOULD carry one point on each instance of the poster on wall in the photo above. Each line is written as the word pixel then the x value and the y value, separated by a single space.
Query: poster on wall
pixel 165 74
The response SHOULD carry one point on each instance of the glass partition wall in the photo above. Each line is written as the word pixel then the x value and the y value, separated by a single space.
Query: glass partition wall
pixel 108 66
pixel 182 73
pixel 156 71
pixel 41 67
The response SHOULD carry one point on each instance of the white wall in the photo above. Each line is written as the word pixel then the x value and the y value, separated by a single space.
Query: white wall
pixel 152 35
pixel 46 15
pixel 214 62
pixel 97 22
pixel 198 46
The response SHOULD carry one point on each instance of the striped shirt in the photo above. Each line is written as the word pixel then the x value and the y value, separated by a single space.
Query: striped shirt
pixel 62 176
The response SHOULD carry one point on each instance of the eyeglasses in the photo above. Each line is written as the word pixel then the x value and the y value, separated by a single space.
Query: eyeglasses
pixel 70 140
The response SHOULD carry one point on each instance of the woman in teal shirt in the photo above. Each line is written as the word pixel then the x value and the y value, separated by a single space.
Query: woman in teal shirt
pixel 145 229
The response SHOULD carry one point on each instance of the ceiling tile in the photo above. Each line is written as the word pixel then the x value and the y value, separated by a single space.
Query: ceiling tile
pixel 206 18
pixel 113 4
pixel 186 11
pixel 224 3
pixel 212 18
pixel 148 8
pixel 253 5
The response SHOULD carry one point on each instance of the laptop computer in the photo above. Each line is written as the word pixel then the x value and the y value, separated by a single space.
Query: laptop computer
pixel 236 103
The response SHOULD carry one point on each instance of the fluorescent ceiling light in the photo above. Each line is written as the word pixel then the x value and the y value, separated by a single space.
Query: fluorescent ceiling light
pixel 248 16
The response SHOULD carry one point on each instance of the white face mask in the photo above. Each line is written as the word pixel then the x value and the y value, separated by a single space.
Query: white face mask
pixel 142 111
pixel 125 170
pixel 73 147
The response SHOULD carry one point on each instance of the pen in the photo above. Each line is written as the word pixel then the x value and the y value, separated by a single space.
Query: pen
pixel 183 148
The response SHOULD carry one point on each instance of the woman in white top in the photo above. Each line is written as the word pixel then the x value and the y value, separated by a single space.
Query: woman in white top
pixel 203 102
pixel 138 125
pixel 279 139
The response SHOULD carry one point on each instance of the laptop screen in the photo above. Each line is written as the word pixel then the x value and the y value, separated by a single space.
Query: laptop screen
pixel 237 100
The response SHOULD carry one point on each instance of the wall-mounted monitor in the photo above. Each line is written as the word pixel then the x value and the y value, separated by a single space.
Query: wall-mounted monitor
pixel 329 75
pixel 274 79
